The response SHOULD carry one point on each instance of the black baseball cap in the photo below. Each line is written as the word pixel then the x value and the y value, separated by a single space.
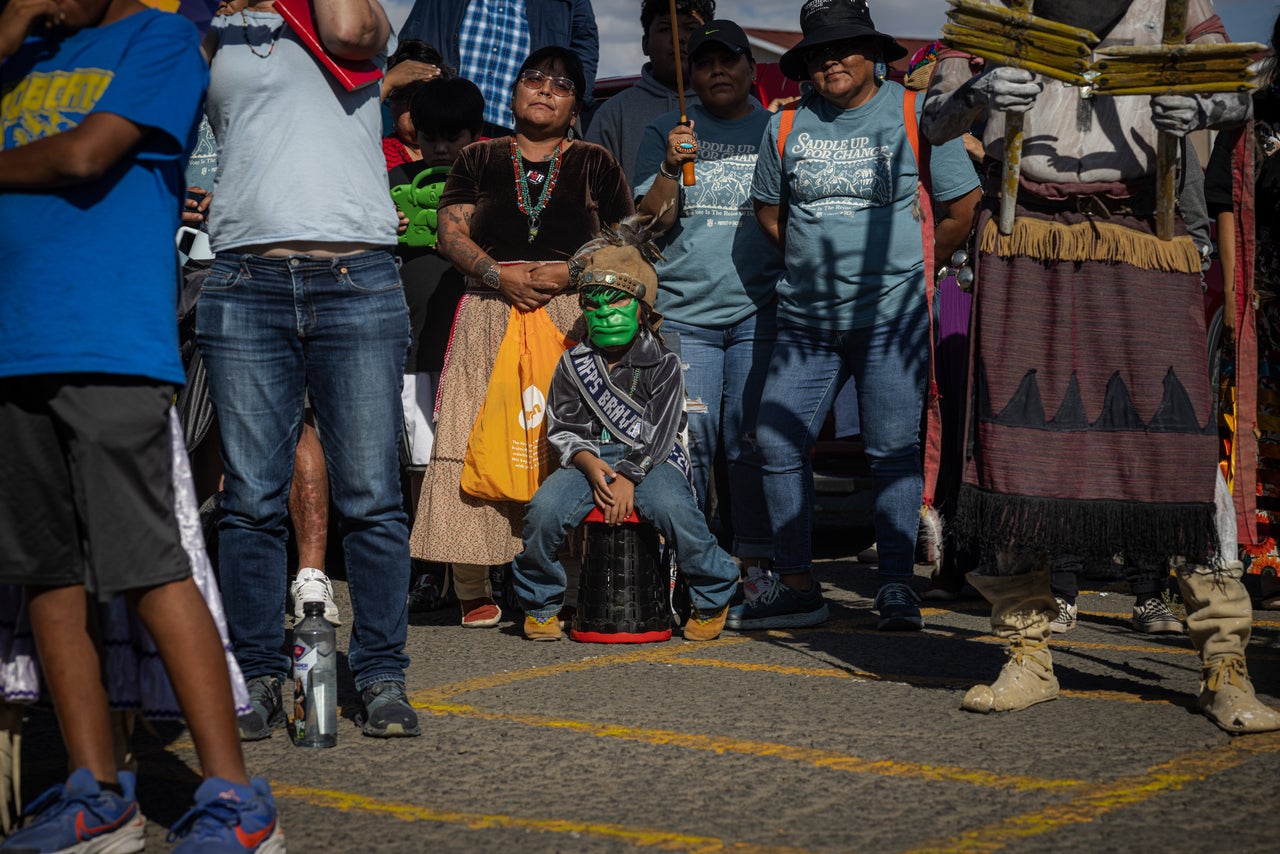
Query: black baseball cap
pixel 723 32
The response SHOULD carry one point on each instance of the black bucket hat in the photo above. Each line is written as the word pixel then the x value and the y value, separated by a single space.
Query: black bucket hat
pixel 827 21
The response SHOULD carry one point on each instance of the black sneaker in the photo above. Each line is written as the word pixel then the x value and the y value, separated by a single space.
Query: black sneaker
pixel 430 592
pixel 267 710
pixel 899 608
pixel 777 606
pixel 387 713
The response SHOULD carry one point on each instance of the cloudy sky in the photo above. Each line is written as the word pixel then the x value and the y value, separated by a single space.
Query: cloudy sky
pixel 619 22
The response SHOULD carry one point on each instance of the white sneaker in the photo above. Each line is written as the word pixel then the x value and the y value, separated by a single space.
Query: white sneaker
pixel 312 585
pixel 758 580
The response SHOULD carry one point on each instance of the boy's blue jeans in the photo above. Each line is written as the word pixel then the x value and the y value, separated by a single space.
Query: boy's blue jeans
pixel 663 499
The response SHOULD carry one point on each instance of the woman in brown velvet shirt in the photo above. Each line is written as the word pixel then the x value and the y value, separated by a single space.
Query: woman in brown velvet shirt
pixel 532 198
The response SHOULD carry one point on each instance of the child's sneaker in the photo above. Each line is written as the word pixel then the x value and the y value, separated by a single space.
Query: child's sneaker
pixel 80 816
pixel 546 629
pixel 705 627
pixel 229 819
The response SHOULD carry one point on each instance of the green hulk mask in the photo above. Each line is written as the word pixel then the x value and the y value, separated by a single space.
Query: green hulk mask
pixel 613 316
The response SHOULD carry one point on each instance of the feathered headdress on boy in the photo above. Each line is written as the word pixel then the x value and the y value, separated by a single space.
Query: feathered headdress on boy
pixel 622 258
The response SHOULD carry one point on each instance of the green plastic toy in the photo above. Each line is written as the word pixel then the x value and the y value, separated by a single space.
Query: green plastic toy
pixel 418 201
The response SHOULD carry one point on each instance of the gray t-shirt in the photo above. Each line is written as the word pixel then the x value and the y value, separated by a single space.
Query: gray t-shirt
pixel 299 157
pixel 718 266
pixel 854 252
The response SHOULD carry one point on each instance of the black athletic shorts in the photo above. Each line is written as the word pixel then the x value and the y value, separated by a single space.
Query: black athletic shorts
pixel 86 483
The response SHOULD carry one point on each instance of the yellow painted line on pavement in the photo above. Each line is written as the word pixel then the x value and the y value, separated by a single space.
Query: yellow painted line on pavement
pixel 644 653
pixel 640 837
pixel 1100 800
pixel 828 759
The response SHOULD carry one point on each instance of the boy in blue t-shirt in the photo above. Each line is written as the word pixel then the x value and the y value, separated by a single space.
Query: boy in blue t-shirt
pixel 99 101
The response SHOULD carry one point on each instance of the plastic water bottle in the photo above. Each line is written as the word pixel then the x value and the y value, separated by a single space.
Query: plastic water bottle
pixel 315 679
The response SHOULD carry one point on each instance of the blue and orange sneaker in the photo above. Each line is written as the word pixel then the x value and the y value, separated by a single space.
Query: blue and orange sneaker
pixel 230 819
pixel 79 816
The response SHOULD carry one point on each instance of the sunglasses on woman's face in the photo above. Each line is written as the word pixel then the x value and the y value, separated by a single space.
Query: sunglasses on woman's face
pixel 533 79
pixel 837 51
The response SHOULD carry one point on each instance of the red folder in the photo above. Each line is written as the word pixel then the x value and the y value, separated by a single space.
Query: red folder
pixel 351 73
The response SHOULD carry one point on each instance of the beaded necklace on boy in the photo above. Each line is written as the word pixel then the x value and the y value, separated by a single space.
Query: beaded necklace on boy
pixel 534 210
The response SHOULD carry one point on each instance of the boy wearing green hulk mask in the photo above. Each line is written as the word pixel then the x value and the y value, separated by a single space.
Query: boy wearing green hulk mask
pixel 615 412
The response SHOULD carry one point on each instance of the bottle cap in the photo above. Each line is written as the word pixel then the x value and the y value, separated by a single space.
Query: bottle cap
pixel 313 609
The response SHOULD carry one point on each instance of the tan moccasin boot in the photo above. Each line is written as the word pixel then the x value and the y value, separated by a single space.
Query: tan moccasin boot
pixel 1022 611
pixel 1219 620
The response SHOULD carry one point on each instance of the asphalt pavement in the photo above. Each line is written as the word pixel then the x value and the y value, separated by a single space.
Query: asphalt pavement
pixel 837 738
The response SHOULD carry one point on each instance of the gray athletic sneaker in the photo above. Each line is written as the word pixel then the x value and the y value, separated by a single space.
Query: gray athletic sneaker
pixel 387 713
pixel 266 712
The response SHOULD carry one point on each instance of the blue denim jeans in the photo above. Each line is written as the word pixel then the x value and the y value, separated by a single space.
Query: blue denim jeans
pixel 725 369
pixel 663 499
pixel 889 365
pixel 272 330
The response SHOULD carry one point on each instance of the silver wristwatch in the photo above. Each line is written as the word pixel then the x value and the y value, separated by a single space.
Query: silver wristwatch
pixel 491 276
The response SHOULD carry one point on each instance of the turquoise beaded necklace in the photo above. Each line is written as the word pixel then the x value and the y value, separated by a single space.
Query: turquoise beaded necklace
pixel 533 210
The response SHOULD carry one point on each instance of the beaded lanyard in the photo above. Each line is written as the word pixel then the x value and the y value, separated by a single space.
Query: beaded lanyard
pixel 533 211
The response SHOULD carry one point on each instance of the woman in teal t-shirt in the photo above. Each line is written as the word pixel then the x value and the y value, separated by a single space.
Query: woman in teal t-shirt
pixel 717 282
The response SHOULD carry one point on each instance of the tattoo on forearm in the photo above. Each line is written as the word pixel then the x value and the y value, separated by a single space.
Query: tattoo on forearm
pixel 456 243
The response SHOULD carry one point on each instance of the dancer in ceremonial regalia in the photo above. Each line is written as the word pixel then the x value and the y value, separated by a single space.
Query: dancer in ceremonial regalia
pixel 1092 419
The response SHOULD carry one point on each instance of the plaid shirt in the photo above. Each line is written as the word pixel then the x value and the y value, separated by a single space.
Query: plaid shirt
pixel 493 43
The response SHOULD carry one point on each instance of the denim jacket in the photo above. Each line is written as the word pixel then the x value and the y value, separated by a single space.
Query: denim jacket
pixel 652 376
pixel 566 23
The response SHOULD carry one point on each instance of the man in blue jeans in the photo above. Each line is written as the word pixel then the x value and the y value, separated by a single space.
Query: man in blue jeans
pixel 842 204
pixel 304 299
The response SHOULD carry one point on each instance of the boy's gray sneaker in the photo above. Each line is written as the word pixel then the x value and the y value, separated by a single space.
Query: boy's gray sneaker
pixel 387 713
pixel 266 712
